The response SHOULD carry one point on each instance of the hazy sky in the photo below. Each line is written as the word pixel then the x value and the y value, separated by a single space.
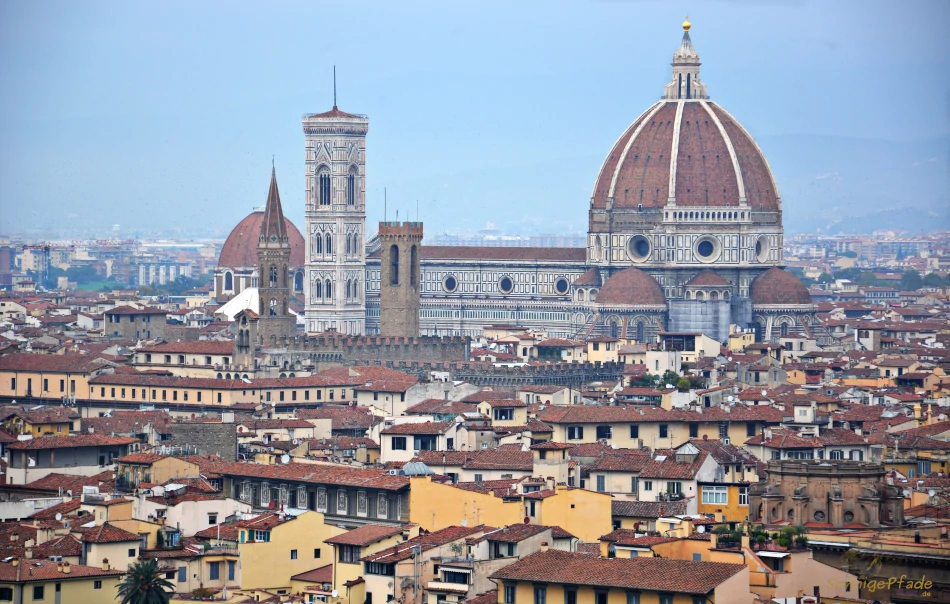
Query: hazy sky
pixel 166 114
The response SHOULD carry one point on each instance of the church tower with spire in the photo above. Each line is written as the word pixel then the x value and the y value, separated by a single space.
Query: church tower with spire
pixel 335 181
pixel 273 260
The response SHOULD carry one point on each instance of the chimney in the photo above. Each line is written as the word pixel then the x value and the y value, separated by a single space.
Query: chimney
pixel 713 541
pixel 745 541
pixel 544 546
pixel 15 562
pixel 105 564
pixel 66 568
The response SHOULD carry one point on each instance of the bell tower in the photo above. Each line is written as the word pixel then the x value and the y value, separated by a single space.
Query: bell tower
pixel 335 192
pixel 273 261
pixel 400 278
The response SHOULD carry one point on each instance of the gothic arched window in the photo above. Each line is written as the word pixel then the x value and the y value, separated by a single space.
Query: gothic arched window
pixel 784 329
pixel 228 281
pixel 641 332
pixel 351 187
pixel 323 185
pixel 273 276
pixel 394 265
pixel 349 285
pixel 273 307
pixel 329 290
pixel 318 244
pixel 329 242
pixel 298 281
pixel 347 244
pixel 317 290
pixel 413 265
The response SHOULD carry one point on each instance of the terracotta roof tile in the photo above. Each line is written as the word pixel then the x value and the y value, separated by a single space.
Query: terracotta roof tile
pixel 655 574
pixel 63 442
pixel 366 535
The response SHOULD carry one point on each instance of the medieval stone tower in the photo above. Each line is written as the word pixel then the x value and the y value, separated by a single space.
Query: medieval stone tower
pixel 400 278
pixel 273 259
pixel 335 146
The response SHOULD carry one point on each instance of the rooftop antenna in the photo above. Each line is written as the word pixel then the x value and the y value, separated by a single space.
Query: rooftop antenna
pixel 334 86
pixel 417 210
pixel 384 204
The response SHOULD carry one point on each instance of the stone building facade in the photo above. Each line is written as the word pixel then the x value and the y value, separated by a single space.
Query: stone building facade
pixel 822 493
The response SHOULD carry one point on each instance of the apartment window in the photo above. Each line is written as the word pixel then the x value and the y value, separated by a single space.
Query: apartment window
pixel 182 574
pixel 214 571
pixel 316 552
pixel 540 594
pixel 693 430
pixel 575 432
pixel 635 431
pixel 306 395
pixel 570 596
pixel 350 554
pixel 856 455
pixel 715 495
pixel 647 485
pixel 97 584
pixel 633 597
pixel 509 594
pixel 199 397
pixel 13 384
pixel 674 488
pixel 378 568
pixel 231 566
pixel 46 385
pixel 111 391
pixel 664 430
pixel 399 443
pixel 750 429
pixel 478 478
pixel 743 495
pixel 634 484
pixel 212 519
pixel 132 552
pixel 293 554
pixel 836 454
pixel 601 483
pixel 666 598
pixel 504 414
pixel 62 386
pixel 39 592
pixel 603 432
pixel 600 597
pixel 281 395
pixel 219 397
pixel 532 508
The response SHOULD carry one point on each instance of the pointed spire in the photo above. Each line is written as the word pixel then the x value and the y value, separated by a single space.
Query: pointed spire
pixel 685 83
pixel 273 229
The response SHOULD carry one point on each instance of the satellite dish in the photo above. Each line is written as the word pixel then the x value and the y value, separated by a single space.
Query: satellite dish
pixel 931 493
pixel 730 398
pixel 334 593
pixel 285 458
pixel 701 529
pixel 58 516
pixel 464 522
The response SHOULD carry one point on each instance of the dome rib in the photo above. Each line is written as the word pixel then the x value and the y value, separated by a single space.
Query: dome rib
pixel 740 184
pixel 626 149
pixel 631 287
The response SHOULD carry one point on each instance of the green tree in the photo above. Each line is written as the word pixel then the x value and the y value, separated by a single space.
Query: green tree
pixel 825 278
pixel 145 584
pixel 849 254
pixel 647 380
pixel 670 377
pixel 683 384
pixel 867 278
pixel 911 281
pixel 934 280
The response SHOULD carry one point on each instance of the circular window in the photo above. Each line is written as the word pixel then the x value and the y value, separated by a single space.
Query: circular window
pixel 561 286
pixel 762 249
pixel 450 284
pixel 819 516
pixel 639 248
pixel 848 516
pixel 505 285
pixel 706 249
pixel 791 514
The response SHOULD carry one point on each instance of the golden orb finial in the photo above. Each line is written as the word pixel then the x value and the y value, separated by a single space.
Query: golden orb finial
pixel 686 24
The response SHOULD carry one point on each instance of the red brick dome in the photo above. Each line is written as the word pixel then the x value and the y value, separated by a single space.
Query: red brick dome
pixel 631 287
pixel 240 248
pixel 717 164
pixel 707 278
pixel 778 287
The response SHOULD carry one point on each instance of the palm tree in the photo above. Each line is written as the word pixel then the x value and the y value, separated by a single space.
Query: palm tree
pixel 144 584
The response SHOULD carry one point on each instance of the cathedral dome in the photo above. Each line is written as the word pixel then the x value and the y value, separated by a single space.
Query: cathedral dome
pixel 778 287
pixel 708 278
pixel 240 248
pixel 631 287
pixel 685 150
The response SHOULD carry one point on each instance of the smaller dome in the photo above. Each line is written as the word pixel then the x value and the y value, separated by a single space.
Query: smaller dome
pixel 707 278
pixel 631 287
pixel 240 248
pixel 778 287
